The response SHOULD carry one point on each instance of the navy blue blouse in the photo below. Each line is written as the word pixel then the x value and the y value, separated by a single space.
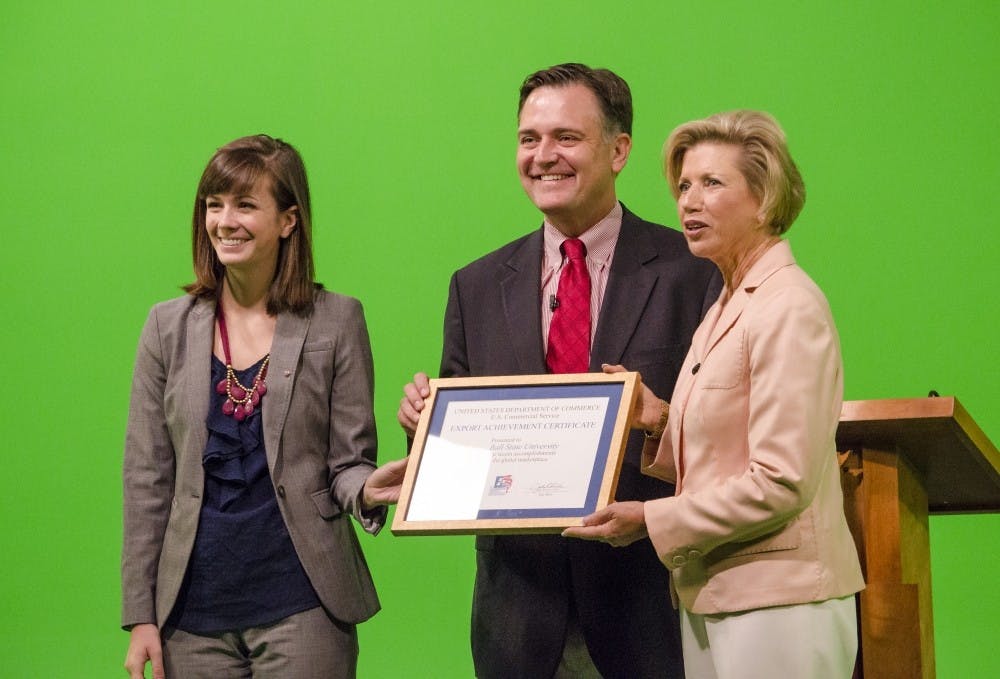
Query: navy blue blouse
pixel 243 570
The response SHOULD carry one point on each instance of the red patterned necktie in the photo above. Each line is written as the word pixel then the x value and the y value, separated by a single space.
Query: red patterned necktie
pixel 569 332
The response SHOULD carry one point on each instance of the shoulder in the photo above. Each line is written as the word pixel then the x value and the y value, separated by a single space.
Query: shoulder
pixel 791 282
pixel 661 246
pixel 327 302
pixel 176 312
pixel 178 306
pixel 529 245
pixel 791 296
pixel 167 330
pixel 656 235
pixel 335 314
pixel 632 221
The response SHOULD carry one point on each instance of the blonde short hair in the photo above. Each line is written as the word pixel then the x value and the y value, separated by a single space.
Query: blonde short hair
pixel 766 163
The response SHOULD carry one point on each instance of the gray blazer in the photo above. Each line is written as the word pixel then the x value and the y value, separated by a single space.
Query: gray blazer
pixel 319 436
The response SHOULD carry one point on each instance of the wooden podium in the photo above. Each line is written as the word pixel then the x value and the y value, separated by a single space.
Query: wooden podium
pixel 900 460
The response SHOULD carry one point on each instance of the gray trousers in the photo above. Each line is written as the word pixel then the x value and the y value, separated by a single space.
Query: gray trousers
pixel 302 646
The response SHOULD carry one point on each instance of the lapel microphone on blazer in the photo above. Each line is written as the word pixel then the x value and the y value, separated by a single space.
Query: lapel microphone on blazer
pixel 553 302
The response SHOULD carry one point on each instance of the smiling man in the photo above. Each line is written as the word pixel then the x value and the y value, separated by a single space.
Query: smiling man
pixel 595 284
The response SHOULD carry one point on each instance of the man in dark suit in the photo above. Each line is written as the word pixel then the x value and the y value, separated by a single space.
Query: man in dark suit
pixel 544 606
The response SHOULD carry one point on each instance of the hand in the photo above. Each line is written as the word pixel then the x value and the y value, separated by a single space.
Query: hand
pixel 144 645
pixel 619 524
pixel 412 403
pixel 648 406
pixel 383 485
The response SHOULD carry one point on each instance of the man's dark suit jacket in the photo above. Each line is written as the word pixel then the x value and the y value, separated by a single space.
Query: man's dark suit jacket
pixel 657 293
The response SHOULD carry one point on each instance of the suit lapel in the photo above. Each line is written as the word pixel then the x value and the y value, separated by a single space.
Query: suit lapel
pixel 198 379
pixel 699 348
pixel 775 258
pixel 724 321
pixel 519 293
pixel 629 285
pixel 289 336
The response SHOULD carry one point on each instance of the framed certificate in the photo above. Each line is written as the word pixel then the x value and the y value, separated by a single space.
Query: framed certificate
pixel 515 454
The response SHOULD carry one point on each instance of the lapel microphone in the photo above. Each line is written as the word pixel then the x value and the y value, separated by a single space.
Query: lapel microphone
pixel 553 302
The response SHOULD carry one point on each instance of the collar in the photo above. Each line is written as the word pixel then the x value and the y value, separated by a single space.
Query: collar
pixel 776 257
pixel 599 239
pixel 724 313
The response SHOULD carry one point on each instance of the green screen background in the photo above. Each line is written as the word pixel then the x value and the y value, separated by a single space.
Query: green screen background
pixel 405 114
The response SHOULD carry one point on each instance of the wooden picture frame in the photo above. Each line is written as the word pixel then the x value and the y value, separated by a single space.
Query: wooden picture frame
pixel 515 454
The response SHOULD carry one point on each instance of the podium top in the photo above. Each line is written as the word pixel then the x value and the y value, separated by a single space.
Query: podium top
pixel 959 465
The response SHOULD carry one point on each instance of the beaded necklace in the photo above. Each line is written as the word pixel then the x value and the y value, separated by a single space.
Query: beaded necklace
pixel 240 400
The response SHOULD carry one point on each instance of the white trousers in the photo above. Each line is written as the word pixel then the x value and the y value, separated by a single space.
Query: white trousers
pixel 805 641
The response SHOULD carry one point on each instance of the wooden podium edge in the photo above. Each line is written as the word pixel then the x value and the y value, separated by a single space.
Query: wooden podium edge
pixel 890 450
pixel 887 422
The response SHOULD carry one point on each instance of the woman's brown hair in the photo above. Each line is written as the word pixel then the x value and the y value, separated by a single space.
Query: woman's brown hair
pixel 236 168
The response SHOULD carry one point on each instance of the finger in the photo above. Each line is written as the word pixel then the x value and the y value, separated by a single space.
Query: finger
pixel 600 517
pixel 423 384
pixel 593 527
pixel 594 534
pixel 133 665
pixel 609 369
pixel 407 415
pixel 412 394
pixel 135 668
pixel 408 429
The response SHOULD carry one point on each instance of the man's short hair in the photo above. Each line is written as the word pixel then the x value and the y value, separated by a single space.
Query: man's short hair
pixel 612 92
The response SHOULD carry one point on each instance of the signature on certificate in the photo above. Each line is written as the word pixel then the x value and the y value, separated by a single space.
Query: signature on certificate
pixel 548 489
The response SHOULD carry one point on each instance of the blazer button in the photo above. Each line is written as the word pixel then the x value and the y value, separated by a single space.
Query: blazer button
pixel 281 491
pixel 679 560
pixel 696 368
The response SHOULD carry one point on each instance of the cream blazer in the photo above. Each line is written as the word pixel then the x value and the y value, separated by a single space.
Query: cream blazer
pixel 757 519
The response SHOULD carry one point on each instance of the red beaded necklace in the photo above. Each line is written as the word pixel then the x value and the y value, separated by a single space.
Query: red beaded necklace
pixel 240 400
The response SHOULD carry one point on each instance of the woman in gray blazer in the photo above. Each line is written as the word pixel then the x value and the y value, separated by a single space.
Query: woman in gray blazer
pixel 250 444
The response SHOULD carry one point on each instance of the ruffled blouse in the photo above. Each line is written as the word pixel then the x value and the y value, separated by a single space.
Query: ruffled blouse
pixel 243 571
